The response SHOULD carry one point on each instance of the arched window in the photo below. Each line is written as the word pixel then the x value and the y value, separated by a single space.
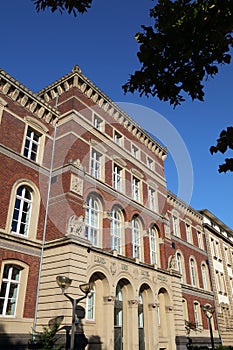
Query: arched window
pixel 9 289
pixel 197 312
pixel 92 220
pixel 179 263
pixel 90 306
pixel 136 238
pixel 116 230
pixel 22 210
pixel 153 235
pixel 193 272
pixel 204 276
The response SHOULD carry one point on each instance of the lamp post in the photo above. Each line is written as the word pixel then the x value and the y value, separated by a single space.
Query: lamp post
pixel 64 283
pixel 209 310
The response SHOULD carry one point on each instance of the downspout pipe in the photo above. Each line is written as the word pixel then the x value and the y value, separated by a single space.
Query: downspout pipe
pixel 45 224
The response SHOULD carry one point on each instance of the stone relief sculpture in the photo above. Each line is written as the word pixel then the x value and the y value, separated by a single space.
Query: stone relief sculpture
pixel 76 184
pixel 76 226
pixel 172 263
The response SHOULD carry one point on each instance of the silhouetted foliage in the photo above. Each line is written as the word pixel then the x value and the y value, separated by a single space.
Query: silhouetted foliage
pixel 46 340
pixel 224 142
pixel 187 44
pixel 71 6
pixel 188 41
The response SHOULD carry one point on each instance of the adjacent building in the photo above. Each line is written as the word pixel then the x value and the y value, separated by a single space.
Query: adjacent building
pixel 219 239
pixel 85 196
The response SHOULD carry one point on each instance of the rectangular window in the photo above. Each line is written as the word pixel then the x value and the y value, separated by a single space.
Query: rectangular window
pixel 135 152
pixel 98 122
pixel 118 138
pixel 151 199
pixel 218 250
pixel 90 307
pixel 217 280
pixel 136 189
pixel 175 224
pixel 31 146
pixel 200 239
pixel 231 285
pixel 196 315
pixel 9 290
pixel 213 248
pixel 188 233
pixel 192 272
pixel 227 255
pixel 223 283
pixel 96 164
pixel 150 163
pixel 117 178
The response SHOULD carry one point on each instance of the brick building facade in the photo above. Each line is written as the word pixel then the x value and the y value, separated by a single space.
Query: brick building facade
pixel 85 196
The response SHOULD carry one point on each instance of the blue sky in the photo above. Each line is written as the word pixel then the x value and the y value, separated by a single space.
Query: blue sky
pixel 39 48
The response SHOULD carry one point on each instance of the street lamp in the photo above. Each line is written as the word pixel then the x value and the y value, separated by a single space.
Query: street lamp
pixel 209 310
pixel 64 283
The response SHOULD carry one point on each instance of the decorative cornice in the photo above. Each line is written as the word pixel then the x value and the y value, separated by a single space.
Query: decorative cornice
pixel 77 79
pixel 17 92
pixel 179 204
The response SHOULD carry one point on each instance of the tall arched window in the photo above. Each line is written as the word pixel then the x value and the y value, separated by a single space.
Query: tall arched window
pixel 92 220
pixel 196 310
pixel 193 275
pixel 116 230
pixel 22 210
pixel 90 306
pixel 179 263
pixel 136 238
pixel 204 276
pixel 153 245
pixel 9 289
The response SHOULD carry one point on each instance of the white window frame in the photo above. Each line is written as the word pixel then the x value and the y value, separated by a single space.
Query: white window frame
pixel 188 229
pixel 204 276
pixel 98 122
pixel 196 311
pixel 37 128
pixel 152 198
pixel 136 189
pixel 92 221
pixel 116 227
pixel 117 177
pixel 118 138
pixel 32 144
pixel 22 211
pixel 135 151
pixel 200 239
pixel 150 163
pixel 90 306
pixel 96 162
pixel 136 238
pixel 193 272
pixel 8 281
pixel 153 237
pixel 176 225
pixel 180 265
